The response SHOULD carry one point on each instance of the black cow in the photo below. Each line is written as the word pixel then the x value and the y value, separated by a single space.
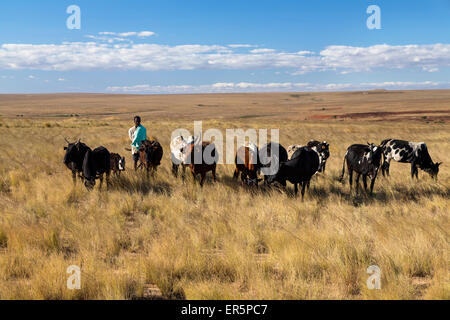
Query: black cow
pixel 304 164
pixel 415 153
pixel 74 158
pixel 323 148
pixel 96 163
pixel 365 160
pixel 150 155
pixel 271 156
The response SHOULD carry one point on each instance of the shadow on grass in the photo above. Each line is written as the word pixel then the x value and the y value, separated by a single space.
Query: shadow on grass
pixel 139 183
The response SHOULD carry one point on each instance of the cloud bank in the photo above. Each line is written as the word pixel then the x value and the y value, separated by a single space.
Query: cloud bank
pixel 229 87
pixel 117 54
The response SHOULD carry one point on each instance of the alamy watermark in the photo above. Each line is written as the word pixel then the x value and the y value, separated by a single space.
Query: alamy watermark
pixel 225 146
pixel 374 20
pixel 74 20
pixel 74 280
pixel 374 281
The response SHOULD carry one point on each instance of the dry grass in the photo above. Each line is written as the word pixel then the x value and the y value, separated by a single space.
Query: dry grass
pixel 431 105
pixel 219 242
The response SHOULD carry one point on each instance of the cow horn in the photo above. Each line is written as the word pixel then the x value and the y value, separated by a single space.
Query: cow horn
pixel 66 140
pixel 79 140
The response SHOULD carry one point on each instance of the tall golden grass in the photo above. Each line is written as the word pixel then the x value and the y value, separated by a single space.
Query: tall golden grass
pixel 221 241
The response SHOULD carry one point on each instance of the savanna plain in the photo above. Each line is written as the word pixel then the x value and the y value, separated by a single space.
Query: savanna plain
pixel 167 238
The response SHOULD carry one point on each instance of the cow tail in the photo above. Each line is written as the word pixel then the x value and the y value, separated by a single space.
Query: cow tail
pixel 250 162
pixel 341 178
pixel 87 170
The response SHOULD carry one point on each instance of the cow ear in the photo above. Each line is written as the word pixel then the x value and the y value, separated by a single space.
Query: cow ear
pixel 438 164
pixel 65 148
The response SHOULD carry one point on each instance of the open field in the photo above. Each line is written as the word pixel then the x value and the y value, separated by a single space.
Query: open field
pixel 222 241
pixel 431 105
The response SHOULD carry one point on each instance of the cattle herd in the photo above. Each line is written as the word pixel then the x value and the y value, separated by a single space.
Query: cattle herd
pixel 298 164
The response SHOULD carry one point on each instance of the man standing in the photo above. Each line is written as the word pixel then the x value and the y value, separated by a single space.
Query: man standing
pixel 137 134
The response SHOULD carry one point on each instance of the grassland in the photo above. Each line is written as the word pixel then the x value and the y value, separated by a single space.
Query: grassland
pixel 222 241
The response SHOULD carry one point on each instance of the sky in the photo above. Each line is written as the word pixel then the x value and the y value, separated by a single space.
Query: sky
pixel 203 46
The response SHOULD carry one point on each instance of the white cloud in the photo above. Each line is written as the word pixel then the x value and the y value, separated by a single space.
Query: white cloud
pixel 61 79
pixel 107 39
pixel 242 46
pixel 226 87
pixel 262 50
pixel 357 59
pixel 142 34
pixel 108 55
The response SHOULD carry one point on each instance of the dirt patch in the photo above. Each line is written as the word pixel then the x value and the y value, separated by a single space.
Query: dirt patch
pixel 392 115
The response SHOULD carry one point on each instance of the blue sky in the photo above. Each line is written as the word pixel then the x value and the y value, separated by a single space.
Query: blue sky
pixel 223 46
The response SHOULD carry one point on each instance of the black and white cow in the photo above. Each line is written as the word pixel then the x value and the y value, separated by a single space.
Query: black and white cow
pixel 323 148
pixel 178 148
pixel 365 160
pixel 415 153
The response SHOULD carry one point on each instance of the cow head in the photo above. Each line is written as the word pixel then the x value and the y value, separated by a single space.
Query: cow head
pixel 372 150
pixel 122 164
pixel 74 153
pixel 433 170
pixel 324 148
pixel 374 158
pixel 89 183
pixel 278 177
pixel 251 182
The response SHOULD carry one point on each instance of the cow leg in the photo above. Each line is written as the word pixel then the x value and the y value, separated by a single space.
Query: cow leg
pixel 74 177
pixel 413 169
pixel 372 183
pixel 350 178
pixel 385 167
pixel 296 189
pixel 202 180
pixel 303 189
pixel 364 178
pixel 108 182
pixel 357 182
pixel 308 183
pixel 236 173
pixel 243 176
pixel 214 173
pixel 101 180
pixel 323 168
pixel 183 173
pixel 175 169
pixel 193 174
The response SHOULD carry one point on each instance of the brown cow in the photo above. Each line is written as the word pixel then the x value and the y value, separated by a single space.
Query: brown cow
pixel 195 160
pixel 117 163
pixel 247 165
pixel 150 155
